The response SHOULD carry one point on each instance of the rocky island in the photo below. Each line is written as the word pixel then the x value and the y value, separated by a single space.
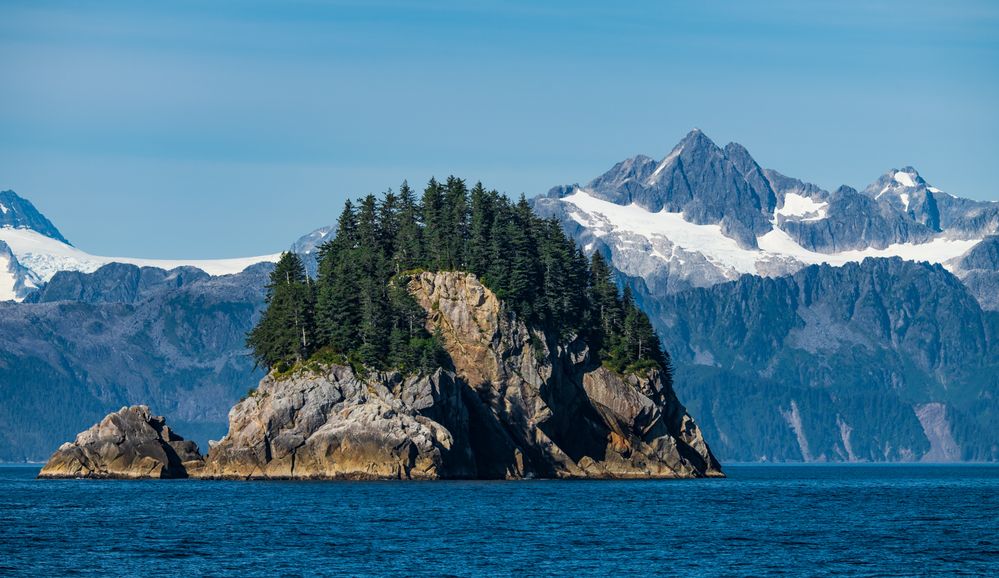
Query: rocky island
pixel 548 382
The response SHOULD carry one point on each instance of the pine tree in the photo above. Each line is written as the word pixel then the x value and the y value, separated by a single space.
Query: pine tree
pixel 337 300
pixel 455 223
pixel 434 227
pixel 480 230
pixel 408 242
pixel 285 333
pixel 521 281
pixel 359 305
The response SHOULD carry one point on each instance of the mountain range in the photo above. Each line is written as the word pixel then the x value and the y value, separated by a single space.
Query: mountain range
pixel 805 325
pixel 705 214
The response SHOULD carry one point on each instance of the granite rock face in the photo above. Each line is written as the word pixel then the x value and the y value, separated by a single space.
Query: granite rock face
pixel 332 423
pixel 130 443
pixel 514 405
pixel 979 270
pixel 540 409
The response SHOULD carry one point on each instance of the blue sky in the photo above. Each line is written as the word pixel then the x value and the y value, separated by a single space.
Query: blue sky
pixel 213 129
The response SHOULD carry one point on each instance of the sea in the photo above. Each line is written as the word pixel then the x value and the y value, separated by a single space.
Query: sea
pixel 762 520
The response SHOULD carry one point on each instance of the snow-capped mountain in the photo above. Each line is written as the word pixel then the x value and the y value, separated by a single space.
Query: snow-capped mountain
pixel 705 214
pixel 32 250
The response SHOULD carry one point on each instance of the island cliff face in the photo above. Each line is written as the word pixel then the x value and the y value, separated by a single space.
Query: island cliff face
pixel 515 404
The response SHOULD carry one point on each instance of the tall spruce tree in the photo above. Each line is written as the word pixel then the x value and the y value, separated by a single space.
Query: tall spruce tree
pixel 338 292
pixel 286 331
pixel 409 238
pixel 480 230
pixel 434 227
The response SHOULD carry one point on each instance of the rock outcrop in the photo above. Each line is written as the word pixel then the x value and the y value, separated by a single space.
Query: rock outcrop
pixel 332 423
pixel 540 409
pixel 515 404
pixel 130 443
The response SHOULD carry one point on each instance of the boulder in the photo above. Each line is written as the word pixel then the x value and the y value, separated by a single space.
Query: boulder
pixel 130 443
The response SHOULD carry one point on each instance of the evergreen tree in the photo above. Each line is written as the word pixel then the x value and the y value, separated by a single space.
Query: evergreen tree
pixel 480 230
pixel 455 223
pixel 408 242
pixel 285 333
pixel 434 227
pixel 359 305
pixel 338 299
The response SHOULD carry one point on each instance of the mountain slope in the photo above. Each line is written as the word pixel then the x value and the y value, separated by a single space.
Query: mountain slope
pixel 19 213
pixel 882 360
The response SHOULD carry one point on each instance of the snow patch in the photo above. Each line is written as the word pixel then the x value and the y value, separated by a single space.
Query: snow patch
pixel 3 208
pixel 844 435
pixel 662 165
pixel 604 218
pixel 796 205
pixel 904 179
pixel 905 200
pixel 933 190
pixel 46 256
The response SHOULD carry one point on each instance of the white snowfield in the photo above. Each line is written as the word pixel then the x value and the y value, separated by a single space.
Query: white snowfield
pixel 804 208
pixel 904 179
pixel 604 218
pixel 45 256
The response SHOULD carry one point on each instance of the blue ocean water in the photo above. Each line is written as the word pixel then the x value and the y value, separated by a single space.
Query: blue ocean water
pixel 762 520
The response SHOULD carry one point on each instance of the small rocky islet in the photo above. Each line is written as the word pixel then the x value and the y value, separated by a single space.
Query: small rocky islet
pixel 515 403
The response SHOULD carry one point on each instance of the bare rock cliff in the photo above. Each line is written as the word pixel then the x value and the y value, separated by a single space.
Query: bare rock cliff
pixel 540 409
pixel 333 423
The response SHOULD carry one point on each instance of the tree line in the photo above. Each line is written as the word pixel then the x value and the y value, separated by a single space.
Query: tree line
pixel 358 308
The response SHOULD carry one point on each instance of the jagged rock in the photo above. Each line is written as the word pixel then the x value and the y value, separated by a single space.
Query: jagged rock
pixel 115 283
pixel 333 423
pixel 539 409
pixel 130 443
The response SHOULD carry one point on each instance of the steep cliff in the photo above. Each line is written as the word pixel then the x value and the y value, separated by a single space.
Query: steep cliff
pixel 548 410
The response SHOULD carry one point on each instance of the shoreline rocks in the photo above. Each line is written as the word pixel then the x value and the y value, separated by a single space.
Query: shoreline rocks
pixel 131 444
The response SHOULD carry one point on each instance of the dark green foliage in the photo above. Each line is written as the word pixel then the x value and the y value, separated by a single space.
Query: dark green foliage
pixel 286 331
pixel 364 313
